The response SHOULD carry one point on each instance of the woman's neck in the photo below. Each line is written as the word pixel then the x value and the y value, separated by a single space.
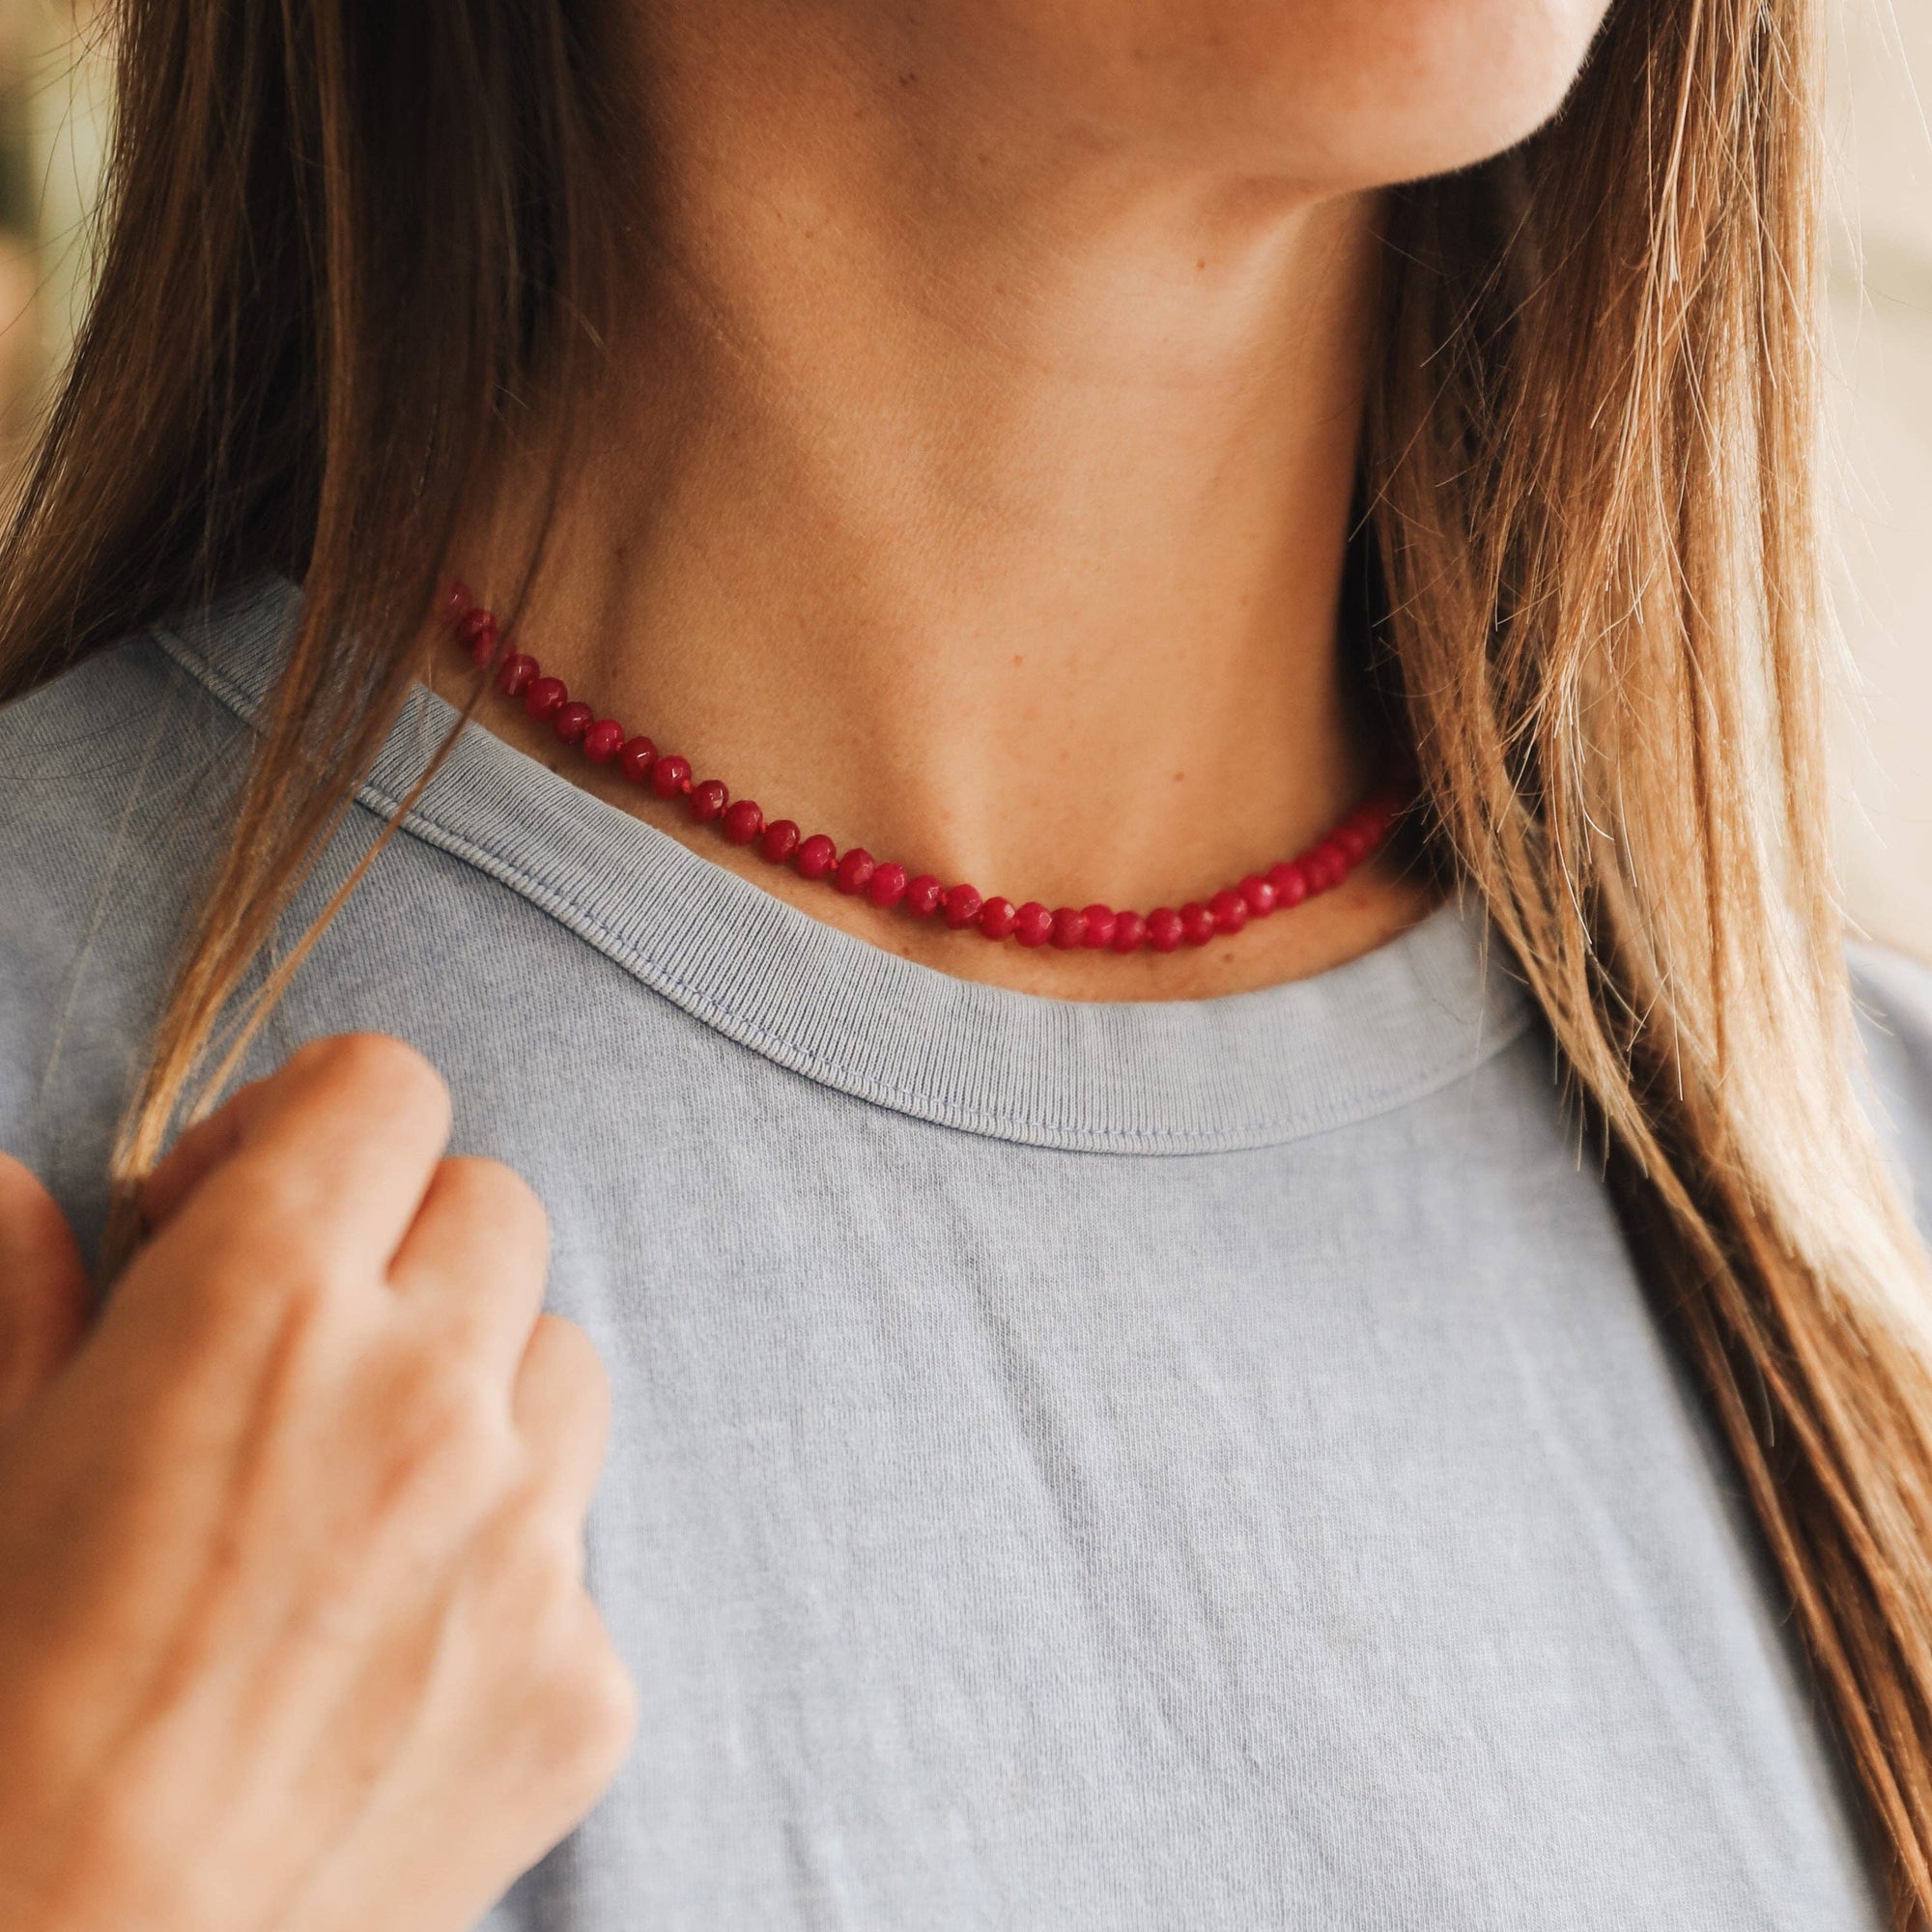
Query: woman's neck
pixel 972 488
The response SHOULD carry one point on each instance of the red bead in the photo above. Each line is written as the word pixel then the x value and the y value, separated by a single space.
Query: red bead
pixel 889 884
pixel 637 758
pixel 1163 928
pixel 516 673
pixel 781 840
pixel 962 905
pixel 1196 924
pixel 1259 893
pixel 670 775
pixel 570 721
pixel 477 632
pixel 457 604
pixel 1229 911
pixel 1101 922
pixel 855 872
pixel 817 856
pixel 1317 869
pixel 546 698
pixel 603 740
pixel 709 800
pixel 1353 842
pixel 996 918
pixel 1130 931
pixel 743 822
pixel 1069 928
pixel 922 896
pixel 1033 924
pixel 1289 882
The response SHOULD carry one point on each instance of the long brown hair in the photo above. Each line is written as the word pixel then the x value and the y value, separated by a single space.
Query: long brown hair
pixel 344 245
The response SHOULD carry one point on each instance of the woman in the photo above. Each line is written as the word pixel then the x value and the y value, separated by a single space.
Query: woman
pixel 1389 1387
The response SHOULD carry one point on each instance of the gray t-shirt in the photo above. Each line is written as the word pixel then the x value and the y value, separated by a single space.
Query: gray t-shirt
pixel 1204 1465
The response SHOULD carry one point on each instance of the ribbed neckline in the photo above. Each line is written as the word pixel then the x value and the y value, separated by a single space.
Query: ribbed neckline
pixel 1181 1076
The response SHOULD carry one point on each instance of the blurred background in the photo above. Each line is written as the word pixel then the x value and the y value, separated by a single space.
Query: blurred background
pixel 1881 320
pixel 54 101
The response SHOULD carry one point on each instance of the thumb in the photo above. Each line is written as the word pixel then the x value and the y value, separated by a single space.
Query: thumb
pixel 44 1292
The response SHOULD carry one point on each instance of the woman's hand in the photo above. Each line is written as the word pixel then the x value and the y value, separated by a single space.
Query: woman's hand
pixel 293 1628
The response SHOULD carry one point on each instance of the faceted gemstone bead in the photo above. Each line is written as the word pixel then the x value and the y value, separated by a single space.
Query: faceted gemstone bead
pixel 888 886
pixel 996 918
pixel 1196 924
pixel 1033 924
pixel 1229 910
pixel 457 603
pixel 779 840
pixel 1069 928
pixel 670 775
pixel 922 896
pixel 1352 841
pixel 1315 868
pixel 602 741
pixel 817 856
pixel 635 761
pixel 1259 893
pixel 1289 882
pixel 516 673
pixel 742 821
pixel 570 721
pixel 1130 931
pixel 1163 928
pixel 477 632
pixel 546 698
pixel 708 801
pixel 962 905
pixel 855 872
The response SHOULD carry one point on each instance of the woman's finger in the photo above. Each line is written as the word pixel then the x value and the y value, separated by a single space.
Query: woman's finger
pixel 474 1261
pixel 561 1407
pixel 202 1148
pixel 333 1153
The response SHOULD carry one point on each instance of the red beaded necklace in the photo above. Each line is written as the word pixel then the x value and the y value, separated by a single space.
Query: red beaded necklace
pixel 1322 867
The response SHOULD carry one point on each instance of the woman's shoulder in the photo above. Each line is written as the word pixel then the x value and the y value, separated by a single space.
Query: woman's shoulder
pixel 140 738
pixel 123 757
pixel 116 782
pixel 1895 1005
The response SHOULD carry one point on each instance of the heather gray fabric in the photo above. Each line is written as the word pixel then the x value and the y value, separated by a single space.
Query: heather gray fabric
pixel 1194 1466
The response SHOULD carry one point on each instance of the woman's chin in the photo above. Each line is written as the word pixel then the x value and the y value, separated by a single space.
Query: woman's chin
pixel 1336 95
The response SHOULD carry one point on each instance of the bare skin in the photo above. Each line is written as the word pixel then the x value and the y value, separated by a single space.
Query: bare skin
pixel 1051 608
pixel 973 467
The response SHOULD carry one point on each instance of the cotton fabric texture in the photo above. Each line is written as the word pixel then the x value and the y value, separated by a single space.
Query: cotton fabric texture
pixel 1204 1465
